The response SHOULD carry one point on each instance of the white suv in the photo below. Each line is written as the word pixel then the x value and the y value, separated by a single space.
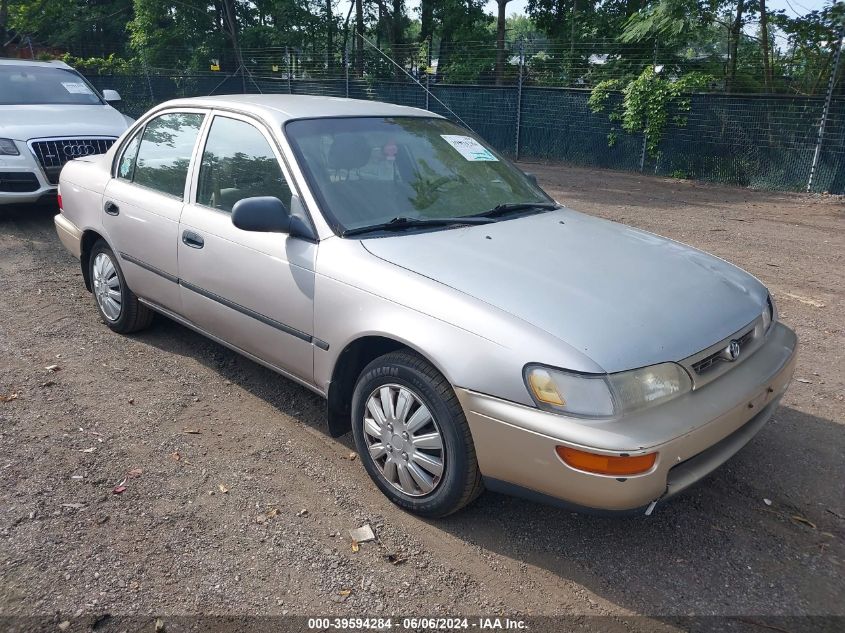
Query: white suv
pixel 49 114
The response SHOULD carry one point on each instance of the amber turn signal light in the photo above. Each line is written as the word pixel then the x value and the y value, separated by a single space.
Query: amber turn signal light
pixel 606 464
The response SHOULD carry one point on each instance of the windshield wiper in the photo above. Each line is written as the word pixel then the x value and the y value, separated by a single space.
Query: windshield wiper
pixel 511 207
pixel 400 223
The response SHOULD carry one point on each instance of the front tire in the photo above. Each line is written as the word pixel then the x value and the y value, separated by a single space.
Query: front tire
pixel 412 436
pixel 118 306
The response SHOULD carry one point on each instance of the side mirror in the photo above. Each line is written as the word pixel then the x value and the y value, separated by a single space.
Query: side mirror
pixel 262 214
pixel 532 178
pixel 111 95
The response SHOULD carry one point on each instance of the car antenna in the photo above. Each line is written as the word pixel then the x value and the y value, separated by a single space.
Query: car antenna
pixel 414 79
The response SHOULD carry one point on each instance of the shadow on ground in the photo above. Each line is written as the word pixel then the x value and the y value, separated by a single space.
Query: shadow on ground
pixel 720 538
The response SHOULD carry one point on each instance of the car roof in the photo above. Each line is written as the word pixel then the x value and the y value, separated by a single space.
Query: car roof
pixel 54 63
pixel 283 108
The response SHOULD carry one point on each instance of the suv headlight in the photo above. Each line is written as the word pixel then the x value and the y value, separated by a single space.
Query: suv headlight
pixel 8 147
pixel 605 395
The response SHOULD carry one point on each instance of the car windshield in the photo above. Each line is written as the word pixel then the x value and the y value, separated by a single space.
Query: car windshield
pixel 36 85
pixel 367 171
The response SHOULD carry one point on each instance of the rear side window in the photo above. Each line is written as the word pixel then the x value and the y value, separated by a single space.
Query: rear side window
pixel 238 163
pixel 165 152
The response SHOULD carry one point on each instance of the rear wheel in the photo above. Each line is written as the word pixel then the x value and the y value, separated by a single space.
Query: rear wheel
pixel 412 436
pixel 118 306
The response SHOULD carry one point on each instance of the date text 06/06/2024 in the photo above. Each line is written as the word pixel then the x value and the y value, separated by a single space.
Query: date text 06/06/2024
pixel 445 624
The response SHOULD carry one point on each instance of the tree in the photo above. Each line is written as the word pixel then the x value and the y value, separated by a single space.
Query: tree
pixel 500 41
pixel 329 35
pixel 764 46
pixel 809 59
pixel 4 24
pixel 463 26
pixel 733 46
pixel 359 39
pixel 92 27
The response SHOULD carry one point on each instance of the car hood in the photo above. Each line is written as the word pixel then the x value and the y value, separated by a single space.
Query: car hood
pixel 625 297
pixel 23 123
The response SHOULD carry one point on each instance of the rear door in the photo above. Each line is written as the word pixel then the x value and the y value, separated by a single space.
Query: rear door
pixel 252 290
pixel 142 204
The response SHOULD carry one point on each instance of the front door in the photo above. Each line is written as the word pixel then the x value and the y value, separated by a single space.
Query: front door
pixel 142 204
pixel 252 290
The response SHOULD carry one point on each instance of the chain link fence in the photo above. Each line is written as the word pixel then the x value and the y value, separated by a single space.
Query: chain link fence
pixel 767 141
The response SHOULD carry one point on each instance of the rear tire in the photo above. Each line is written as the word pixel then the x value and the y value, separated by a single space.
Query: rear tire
pixel 117 305
pixel 406 417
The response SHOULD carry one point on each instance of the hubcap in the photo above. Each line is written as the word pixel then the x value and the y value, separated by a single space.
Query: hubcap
pixel 107 286
pixel 404 441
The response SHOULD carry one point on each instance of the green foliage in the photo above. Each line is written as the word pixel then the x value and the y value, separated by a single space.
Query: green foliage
pixel 648 103
pixel 811 38
pixel 673 22
pixel 573 43
pixel 95 26
pixel 110 65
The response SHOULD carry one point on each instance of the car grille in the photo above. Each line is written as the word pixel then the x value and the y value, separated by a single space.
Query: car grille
pixel 54 153
pixel 18 181
pixel 707 363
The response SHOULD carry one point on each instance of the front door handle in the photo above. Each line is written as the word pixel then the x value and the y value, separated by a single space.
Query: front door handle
pixel 111 208
pixel 194 240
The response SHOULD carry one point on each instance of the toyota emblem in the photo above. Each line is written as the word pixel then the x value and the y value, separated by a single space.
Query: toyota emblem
pixel 733 350
pixel 75 151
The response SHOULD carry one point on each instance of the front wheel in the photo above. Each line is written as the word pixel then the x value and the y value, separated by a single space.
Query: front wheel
pixel 413 437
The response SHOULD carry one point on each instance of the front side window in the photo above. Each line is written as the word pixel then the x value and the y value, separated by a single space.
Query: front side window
pixel 165 152
pixel 36 85
pixel 238 163
pixel 126 167
pixel 370 170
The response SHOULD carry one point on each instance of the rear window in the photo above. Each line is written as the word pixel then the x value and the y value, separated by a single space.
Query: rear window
pixel 35 85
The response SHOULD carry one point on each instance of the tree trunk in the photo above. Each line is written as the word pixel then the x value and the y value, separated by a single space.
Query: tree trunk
pixel 379 24
pixel 500 42
pixel 396 36
pixel 733 44
pixel 230 21
pixel 4 22
pixel 572 32
pixel 764 46
pixel 426 19
pixel 359 35
pixel 329 36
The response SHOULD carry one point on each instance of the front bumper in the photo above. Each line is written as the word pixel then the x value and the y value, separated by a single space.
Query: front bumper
pixel 693 435
pixel 22 180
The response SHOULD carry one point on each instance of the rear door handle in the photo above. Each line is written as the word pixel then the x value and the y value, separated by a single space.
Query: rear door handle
pixel 194 240
pixel 111 208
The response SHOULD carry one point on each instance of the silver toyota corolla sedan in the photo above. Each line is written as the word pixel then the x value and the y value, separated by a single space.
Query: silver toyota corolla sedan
pixel 471 331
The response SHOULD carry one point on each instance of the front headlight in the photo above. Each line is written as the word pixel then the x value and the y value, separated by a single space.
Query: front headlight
pixel 768 314
pixel 606 395
pixel 8 147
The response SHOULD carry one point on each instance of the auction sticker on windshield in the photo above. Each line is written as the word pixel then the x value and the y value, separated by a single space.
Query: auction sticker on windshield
pixel 468 147
pixel 76 88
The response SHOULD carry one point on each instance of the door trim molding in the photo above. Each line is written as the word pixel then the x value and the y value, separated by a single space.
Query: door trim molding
pixel 282 327
pixel 149 267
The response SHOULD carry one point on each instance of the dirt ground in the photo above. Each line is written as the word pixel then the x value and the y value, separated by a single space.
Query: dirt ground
pixel 250 514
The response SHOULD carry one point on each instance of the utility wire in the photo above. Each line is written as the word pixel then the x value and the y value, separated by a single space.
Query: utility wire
pixel 415 80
